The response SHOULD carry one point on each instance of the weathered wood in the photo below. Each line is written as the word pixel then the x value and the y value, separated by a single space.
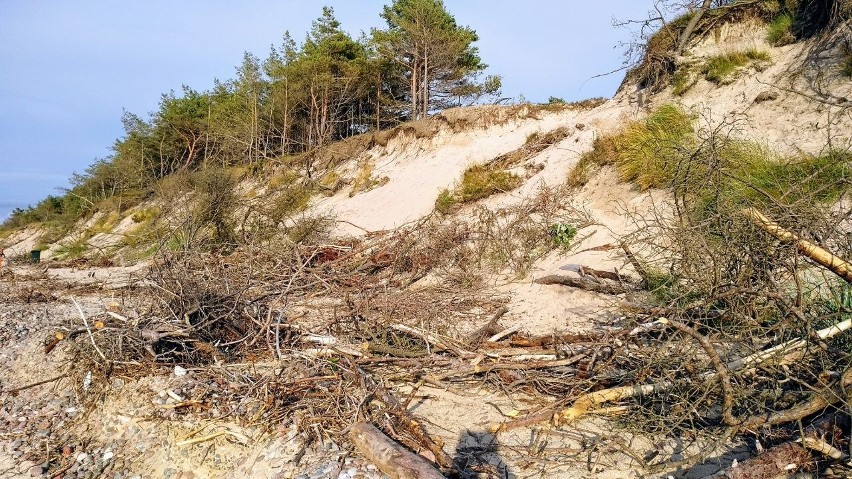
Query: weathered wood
pixel 640 270
pixel 584 282
pixel 391 458
pixel 833 263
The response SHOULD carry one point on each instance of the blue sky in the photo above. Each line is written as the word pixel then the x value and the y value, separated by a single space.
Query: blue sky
pixel 69 68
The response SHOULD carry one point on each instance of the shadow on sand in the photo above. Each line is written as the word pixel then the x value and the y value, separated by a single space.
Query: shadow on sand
pixel 477 456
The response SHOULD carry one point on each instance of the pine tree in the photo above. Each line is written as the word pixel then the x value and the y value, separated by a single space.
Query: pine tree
pixel 440 63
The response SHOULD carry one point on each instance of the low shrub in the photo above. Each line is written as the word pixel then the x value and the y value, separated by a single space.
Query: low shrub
pixel 563 234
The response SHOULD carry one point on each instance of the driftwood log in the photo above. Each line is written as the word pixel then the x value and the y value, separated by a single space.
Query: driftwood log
pixel 587 283
pixel 833 263
pixel 391 458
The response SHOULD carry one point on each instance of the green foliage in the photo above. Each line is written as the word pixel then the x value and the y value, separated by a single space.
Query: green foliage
pixel 563 234
pixel 647 151
pixel 556 100
pixel 753 176
pixel 721 68
pixel 662 285
pixel 446 202
pixel 433 56
pixel 644 152
pixel 832 308
pixel 781 31
pixel 664 151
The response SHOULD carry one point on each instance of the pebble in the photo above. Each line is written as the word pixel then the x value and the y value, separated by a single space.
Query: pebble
pixel 36 471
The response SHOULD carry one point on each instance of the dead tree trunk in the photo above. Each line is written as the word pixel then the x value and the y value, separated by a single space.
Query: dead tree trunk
pixel 390 457
pixel 835 264
pixel 690 27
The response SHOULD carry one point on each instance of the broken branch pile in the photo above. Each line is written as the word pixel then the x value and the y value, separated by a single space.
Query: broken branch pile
pixel 331 334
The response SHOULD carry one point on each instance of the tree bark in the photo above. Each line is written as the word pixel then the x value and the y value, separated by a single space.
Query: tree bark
pixel 390 457
pixel 585 283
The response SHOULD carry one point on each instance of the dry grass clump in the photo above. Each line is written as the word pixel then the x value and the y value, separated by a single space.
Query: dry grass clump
pixel 643 151
pixel 534 144
pixel 482 181
pixel 684 79
pixel 720 69
pixel 478 182
pixel 364 179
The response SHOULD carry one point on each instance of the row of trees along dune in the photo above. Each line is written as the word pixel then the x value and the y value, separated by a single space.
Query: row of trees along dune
pixel 300 98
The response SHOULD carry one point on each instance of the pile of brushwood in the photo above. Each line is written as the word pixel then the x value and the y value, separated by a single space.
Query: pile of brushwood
pixel 735 325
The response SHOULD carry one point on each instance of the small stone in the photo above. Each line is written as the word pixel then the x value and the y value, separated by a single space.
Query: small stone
pixel 82 457
pixel 36 471
pixel 766 96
